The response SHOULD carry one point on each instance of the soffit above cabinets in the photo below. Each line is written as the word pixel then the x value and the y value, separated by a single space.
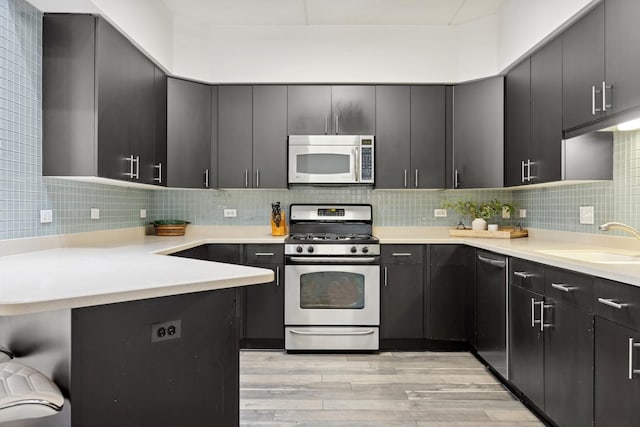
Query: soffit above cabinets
pixel 334 12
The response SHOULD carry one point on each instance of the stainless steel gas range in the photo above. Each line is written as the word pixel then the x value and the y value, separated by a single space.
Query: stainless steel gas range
pixel 332 276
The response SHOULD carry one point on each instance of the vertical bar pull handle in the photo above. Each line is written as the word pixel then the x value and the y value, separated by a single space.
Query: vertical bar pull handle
pixel 159 178
pixel 632 345
pixel 257 178
pixel 533 312
pixel 593 100
pixel 386 277
pixel 337 124
pixel 206 178
pixel 246 178
pixel 137 175
pixel 130 174
pixel 417 179
pixel 522 171
pixel 405 178
pixel 326 125
pixel 456 179
pixel 278 276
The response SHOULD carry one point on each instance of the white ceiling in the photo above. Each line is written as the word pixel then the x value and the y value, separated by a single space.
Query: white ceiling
pixel 333 12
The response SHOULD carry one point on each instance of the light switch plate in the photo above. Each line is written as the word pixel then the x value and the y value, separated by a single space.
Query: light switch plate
pixel 230 213
pixel 522 213
pixel 143 213
pixel 46 216
pixel 440 213
pixel 95 213
pixel 586 215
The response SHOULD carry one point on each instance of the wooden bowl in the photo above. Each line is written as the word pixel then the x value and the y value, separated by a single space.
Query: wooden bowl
pixel 170 227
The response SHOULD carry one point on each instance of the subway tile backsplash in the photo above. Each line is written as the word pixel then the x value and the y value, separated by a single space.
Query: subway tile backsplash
pixel 24 192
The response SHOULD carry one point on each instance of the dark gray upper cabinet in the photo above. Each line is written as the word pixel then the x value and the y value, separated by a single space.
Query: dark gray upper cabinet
pixel 427 137
pixel 622 38
pixel 583 70
pixel 393 136
pixel 270 136
pixel 518 122
pixel 99 102
pixel 235 106
pixel 321 110
pixel 478 134
pixel 545 158
pixel 189 134
pixel 252 146
pixel 158 172
pixel 410 136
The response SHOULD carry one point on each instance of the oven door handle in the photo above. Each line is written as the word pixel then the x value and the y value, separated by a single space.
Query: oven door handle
pixel 328 333
pixel 341 260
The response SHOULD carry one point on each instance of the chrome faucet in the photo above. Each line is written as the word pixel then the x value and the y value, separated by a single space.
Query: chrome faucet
pixel 620 226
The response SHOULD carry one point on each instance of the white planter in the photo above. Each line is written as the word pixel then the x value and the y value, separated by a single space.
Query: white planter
pixel 493 227
pixel 478 224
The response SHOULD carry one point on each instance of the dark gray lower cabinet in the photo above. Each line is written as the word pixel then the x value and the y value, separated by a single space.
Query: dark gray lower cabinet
pixel 264 303
pixel 449 300
pixel 120 377
pixel 401 292
pixel 526 344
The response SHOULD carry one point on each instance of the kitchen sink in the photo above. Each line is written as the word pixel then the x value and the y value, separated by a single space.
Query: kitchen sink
pixel 595 256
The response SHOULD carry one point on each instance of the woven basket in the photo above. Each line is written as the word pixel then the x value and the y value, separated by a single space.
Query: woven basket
pixel 170 227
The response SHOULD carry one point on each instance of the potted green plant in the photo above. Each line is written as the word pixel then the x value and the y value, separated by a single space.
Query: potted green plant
pixel 479 212
pixel 492 209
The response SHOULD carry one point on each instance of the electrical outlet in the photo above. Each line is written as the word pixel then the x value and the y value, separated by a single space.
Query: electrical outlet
pixel 143 213
pixel 440 213
pixel 230 213
pixel 171 330
pixel 46 216
pixel 95 213
pixel 522 213
pixel 586 215
pixel 506 213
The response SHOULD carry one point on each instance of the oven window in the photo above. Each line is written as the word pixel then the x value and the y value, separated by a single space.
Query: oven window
pixel 324 163
pixel 332 290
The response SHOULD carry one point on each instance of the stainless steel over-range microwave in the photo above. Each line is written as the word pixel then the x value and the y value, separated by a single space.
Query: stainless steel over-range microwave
pixel 331 159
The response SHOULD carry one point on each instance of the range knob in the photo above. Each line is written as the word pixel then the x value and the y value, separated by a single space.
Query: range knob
pixel 310 249
pixel 299 249
pixel 365 250
pixel 354 249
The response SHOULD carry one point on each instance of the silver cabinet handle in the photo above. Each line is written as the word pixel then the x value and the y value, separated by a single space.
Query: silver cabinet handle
pixel 137 167
pixel 246 178
pixel 522 171
pixel 341 260
pixel 264 254
pixel 337 124
pixel 523 274
pixel 206 178
pixel 386 277
pixel 632 345
pixel 611 303
pixel 562 287
pixel 401 254
pixel 130 174
pixel 543 306
pixel 326 124
pixel 529 164
pixel 278 276
pixel 604 96
pixel 417 179
pixel 367 332
pixel 493 262
pixel 257 178
pixel 405 178
pixel 159 178
pixel 533 312
pixel 593 101
pixel 456 179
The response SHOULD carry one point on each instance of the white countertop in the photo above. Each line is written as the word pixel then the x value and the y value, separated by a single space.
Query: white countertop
pixel 84 269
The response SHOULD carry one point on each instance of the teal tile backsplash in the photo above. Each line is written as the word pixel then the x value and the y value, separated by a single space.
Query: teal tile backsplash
pixel 24 192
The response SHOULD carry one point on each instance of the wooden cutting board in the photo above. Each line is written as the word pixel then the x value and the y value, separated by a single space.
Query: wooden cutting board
pixel 502 233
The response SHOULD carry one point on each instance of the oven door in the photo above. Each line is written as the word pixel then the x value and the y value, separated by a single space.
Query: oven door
pixel 332 294
pixel 332 164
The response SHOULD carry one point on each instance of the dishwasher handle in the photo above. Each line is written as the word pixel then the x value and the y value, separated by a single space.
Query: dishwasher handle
pixel 493 262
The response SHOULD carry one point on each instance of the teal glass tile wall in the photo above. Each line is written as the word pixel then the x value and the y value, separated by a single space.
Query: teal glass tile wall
pixel 23 190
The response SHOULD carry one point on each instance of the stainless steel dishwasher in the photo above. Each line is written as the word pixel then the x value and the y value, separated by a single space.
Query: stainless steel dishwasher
pixel 492 308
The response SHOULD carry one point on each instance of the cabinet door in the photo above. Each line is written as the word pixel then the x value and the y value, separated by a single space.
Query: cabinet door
pixel 568 365
pixel 235 135
pixel 622 60
pixel 427 137
pixel 583 69
pixel 270 136
pixel 231 254
pixel 449 308
pixel 526 344
pixel 115 104
pixel 546 113
pixel 309 110
pixel 188 134
pixel 401 293
pixel 616 395
pixel 478 134
pixel 393 136
pixel 518 123
pixel 353 110
pixel 159 172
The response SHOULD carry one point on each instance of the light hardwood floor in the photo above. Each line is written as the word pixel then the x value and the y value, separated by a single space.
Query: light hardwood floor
pixel 417 389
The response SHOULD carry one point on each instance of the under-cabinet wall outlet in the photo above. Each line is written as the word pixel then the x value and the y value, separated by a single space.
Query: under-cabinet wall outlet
pixel 143 213
pixel 506 213
pixel 230 213
pixel 95 213
pixel 46 216
pixel 171 330
pixel 586 215
pixel 522 213
pixel 440 213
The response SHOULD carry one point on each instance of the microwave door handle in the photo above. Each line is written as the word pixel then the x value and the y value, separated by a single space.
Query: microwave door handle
pixel 357 160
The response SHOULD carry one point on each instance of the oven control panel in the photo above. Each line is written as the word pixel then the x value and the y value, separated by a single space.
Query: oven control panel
pixel 329 249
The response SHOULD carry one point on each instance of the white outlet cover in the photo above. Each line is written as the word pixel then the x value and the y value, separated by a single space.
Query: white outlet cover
pixel 440 213
pixel 230 213
pixel 143 213
pixel 522 213
pixel 506 214
pixel 46 216
pixel 95 213
pixel 586 215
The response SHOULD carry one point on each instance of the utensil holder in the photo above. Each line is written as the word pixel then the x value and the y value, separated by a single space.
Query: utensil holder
pixel 282 229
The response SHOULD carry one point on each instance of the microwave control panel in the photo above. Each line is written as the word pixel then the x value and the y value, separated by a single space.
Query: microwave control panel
pixel 366 161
